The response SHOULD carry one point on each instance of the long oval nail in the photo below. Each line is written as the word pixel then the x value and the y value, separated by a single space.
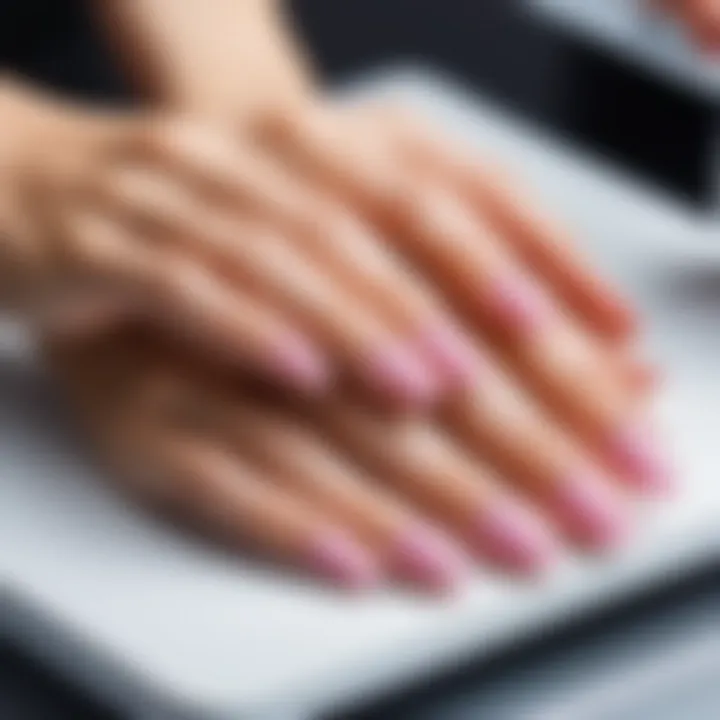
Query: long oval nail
pixel 397 371
pixel 589 512
pixel 421 556
pixel 341 560
pixel 519 302
pixel 299 363
pixel 513 537
pixel 449 352
pixel 637 454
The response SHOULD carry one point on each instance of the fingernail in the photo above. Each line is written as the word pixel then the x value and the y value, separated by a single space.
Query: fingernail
pixel 637 452
pixel 299 363
pixel 397 371
pixel 424 557
pixel 448 351
pixel 519 302
pixel 589 512
pixel 513 537
pixel 338 558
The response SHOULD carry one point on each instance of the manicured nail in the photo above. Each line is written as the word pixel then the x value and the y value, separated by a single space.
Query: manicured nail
pixel 513 537
pixel 519 302
pixel 297 362
pixel 449 352
pixel 341 560
pixel 589 512
pixel 396 371
pixel 423 557
pixel 638 454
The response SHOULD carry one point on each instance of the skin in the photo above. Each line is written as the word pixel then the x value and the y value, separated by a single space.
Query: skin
pixel 222 240
pixel 352 254
pixel 293 258
pixel 334 487
pixel 701 17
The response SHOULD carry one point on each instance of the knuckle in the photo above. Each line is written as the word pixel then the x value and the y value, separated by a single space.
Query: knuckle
pixel 409 200
pixel 397 115
pixel 79 246
pixel 155 136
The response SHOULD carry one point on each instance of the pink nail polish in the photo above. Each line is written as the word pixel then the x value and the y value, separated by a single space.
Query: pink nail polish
pixel 519 302
pixel 589 512
pixel 422 556
pixel 638 454
pixel 513 537
pixel 397 371
pixel 449 352
pixel 296 361
pixel 338 558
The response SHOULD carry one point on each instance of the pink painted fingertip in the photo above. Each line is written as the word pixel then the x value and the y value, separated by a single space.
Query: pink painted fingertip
pixel 299 363
pixel 342 561
pixel 449 352
pixel 512 536
pixel 519 302
pixel 638 454
pixel 589 512
pixel 423 557
pixel 397 371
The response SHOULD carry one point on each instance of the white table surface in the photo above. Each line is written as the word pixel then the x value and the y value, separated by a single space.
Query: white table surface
pixel 157 622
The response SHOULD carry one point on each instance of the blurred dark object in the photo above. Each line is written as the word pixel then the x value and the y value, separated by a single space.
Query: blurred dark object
pixel 53 42
pixel 27 692
pixel 534 681
pixel 658 129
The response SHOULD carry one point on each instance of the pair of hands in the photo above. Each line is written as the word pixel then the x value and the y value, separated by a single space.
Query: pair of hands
pixel 346 255
pixel 526 429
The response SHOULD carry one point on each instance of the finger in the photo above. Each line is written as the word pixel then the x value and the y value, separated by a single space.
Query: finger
pixel 700 17
pixel 703 17
pixel 582 391
pixel 422 464
pixel 307 467
pixel 536 238
pixel 333 237
pixel 234 501
pixel 548 350
pixel 278 271
pixel 153 421
pixel 79 317
pixel 472 263
pixel 499 423
pixel 554 356
pixel 643 377
pixel 190 302
pixel 434 229
pixel 465 257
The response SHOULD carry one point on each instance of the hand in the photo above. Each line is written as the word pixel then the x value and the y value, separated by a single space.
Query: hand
pixel 470 233
pixel 507 270
pixel 291 254
pixel 227 244
pixel 335 487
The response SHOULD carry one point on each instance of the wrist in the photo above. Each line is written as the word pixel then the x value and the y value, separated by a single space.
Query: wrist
pixel 231 60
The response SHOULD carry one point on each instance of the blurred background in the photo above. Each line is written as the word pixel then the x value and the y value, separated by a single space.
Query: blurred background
pixel 656 125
